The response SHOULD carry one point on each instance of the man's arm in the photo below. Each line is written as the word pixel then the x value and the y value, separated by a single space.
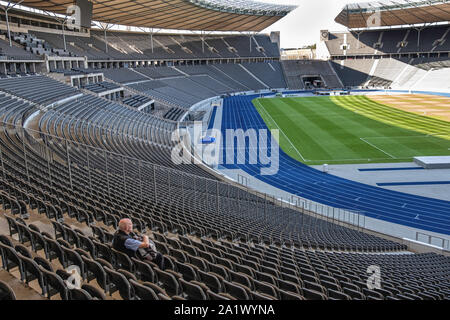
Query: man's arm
pixel 134 245
pixel 145 243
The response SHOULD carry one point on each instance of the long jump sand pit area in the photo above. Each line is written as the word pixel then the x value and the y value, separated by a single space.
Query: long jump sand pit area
pixel 426 105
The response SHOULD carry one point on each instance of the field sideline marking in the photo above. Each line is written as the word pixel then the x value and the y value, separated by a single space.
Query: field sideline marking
pixel 363 159
pixel 416 136
pixel 438 134
pixel 378 148
pixel 282 131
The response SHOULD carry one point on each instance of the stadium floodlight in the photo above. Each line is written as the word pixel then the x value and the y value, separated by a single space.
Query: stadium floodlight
pixel 7 8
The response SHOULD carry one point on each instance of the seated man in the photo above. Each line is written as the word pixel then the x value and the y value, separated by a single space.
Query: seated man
pixel 127 242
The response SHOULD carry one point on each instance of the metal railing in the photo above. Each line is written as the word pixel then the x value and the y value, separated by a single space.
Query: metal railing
pixel 127 176
pixel 433 240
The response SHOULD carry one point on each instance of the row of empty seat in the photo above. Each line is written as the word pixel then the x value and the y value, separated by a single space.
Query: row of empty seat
pixel 395 41
pixel 122 45
pixel 101 87
pixel 211 270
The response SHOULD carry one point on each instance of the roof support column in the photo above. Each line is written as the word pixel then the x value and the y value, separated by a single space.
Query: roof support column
pixel 105 27
pixel 6 9
pixel 64 35
pixel 358 33
pixel 419 30
pixel 151 41
pixel 106 41
pixel 203 41
pixel 250 35
pixel 151 32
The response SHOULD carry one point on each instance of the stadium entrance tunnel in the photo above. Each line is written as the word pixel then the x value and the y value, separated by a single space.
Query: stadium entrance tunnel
pixel 313 81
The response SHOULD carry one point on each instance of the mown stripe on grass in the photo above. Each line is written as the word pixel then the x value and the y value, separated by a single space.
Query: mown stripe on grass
pixel 393 116
pixel 324 128
pixel 333 128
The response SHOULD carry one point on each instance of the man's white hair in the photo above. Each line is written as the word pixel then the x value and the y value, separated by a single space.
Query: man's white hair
pixel 123 224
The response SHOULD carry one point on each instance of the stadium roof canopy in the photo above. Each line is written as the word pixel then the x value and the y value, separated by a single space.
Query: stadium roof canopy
pixel 204 15
pixel 393 13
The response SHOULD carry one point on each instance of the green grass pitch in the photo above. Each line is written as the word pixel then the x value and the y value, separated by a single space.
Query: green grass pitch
pixel 352 129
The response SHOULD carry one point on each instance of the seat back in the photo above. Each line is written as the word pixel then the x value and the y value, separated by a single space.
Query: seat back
pixel 6 292
pixel 354 294
pixel 285 295
pixel 88 245
pixel 143 292
pixel 261 296
pixel 118 282
pixel 289 286
pixel 216 296
pixel 128 274
pixel 54 285
pixel 211 281
pixel 245 269
pixel 23 251
pixel 24 233
pixel 266 288
pixel 193 291
pixel 314 286
pixel 104 252
pixel 372 293
pixel 334 294
pixel 122 261
pixel 143 270
pixel 79 294
pixel 37 241
pixel 31 271
pixel 235 290
pixel 12 224
pixel 313 295
pixel 43 263
pixel 94 270
pixel 168 282
pixel 59 230
pixel 10 259
pixel 220 270
pixel 98 233
pixel 188 271
pixel 6 241
pixel 95 293
pixel 73 258
pixel 155 288
pixel 71 236
pixel 55 251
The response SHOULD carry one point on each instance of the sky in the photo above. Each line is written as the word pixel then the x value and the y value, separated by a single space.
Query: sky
pixel 302 26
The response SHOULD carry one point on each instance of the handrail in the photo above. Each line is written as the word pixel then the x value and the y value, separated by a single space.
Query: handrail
pixel 445 243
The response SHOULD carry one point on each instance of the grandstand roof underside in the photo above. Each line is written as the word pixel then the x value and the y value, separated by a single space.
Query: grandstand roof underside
pixel 204 15
pixel 394 13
